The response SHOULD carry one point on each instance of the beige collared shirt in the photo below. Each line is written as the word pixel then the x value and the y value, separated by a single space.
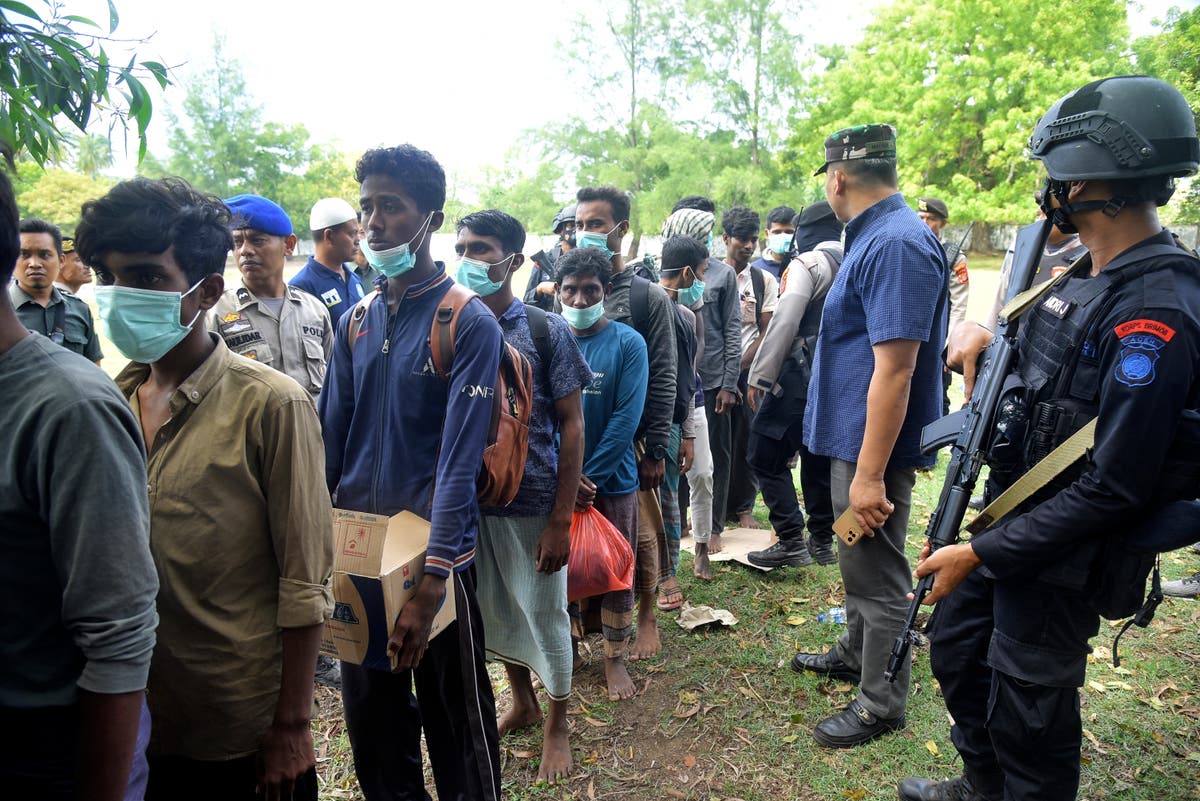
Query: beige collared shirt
pixel 240 531
pixel 296 341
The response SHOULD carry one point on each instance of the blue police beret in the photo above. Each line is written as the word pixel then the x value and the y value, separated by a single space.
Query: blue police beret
pixel 252 211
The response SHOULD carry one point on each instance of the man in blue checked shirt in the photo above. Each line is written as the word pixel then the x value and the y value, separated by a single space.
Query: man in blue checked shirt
pixel 886 312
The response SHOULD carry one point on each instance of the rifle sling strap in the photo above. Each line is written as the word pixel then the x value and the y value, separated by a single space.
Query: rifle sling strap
pixel 1039 476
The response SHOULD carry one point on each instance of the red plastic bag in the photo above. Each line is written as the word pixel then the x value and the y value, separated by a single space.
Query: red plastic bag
pixel 601 560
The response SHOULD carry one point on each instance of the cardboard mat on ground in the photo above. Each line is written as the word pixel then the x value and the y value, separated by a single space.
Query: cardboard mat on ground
pixel 735 544
pixel 377 564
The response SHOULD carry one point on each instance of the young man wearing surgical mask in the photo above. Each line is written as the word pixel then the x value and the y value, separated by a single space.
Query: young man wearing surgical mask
pixel 601 222
pixel 523 547
pixel 612 410
pixel 400 437
pixel 779 238
pixel 239 517
pixel 681 273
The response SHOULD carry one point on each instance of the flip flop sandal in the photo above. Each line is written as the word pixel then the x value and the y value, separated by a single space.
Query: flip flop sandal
pixel 670 598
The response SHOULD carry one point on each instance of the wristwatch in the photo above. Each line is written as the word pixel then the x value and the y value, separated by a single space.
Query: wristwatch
pixel 658 452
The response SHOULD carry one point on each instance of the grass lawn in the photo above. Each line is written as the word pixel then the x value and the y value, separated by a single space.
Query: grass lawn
pixel 721 717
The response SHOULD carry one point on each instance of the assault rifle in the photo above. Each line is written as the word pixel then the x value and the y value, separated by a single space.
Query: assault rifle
pixel 966 431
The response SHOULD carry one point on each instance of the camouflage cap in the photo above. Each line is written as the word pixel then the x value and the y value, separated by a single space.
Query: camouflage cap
pixel 874 141
pixel 931 205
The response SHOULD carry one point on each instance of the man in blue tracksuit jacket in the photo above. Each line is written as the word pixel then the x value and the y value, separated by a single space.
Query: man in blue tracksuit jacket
pixel 399 437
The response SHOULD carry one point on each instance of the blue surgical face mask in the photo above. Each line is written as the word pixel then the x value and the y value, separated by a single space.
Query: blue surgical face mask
pixel 691 295
pixel 475 275
pixel 143 323
pixel 593 239
pixel 396 261
pixel 779 243
pixel 583 319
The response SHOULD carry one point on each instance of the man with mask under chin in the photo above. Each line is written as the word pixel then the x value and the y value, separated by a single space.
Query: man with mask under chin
pixel 382 375
pixel 239 517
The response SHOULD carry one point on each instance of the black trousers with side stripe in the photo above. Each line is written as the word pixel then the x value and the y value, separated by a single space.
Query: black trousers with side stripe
pixel 454 705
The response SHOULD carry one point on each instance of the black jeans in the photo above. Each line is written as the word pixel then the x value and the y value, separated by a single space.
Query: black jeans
pixel 38 750
pixel 176 778
pixel 743 488
pixel 777 432
pixel 454 706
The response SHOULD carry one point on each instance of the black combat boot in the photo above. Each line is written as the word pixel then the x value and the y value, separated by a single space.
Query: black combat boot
pixel 968 787
pixel 784 553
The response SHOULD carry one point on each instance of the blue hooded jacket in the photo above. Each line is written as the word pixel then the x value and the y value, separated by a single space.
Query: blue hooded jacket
pixel 386 413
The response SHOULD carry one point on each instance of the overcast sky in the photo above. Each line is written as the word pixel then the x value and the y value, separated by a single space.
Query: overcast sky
pixel 369 72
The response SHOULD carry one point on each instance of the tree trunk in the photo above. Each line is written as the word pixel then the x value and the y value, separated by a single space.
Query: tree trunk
pixel 635 244
pixel 981 241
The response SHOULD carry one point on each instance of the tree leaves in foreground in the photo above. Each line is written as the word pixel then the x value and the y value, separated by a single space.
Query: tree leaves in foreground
pixel 53 66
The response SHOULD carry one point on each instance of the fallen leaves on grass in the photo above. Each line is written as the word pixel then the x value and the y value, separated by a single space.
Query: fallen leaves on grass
pixel 1091 738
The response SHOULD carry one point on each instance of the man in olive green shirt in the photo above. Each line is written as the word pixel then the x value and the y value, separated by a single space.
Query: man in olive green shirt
pixel 42 307
pixel 240 518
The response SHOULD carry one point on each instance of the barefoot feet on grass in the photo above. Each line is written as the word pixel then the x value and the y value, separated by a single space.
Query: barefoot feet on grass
pixel 556 748
pixel 746 520
pixel 647 644
pixel 518 717
pixel 701 566
pixel 620 685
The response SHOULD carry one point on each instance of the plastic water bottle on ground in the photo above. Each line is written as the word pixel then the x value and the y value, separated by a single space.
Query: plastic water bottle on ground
pixel 835 615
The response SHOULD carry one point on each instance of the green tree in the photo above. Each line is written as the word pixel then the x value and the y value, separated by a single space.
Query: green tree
pixel 964 82
pixel 1174 55
pixel 221 144
pixel 54 68
pixel 92 153
pixel 56 195
pixel 746 57
pixel 645 72
pixel 213 143
pixel 529 198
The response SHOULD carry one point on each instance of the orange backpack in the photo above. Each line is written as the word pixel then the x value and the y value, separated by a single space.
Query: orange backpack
pixel 512 401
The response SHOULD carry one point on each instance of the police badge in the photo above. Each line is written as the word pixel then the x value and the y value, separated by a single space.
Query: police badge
pixel 1141 340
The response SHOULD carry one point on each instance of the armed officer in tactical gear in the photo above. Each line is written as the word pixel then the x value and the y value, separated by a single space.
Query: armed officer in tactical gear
pixel 540 290
pixel 1115 338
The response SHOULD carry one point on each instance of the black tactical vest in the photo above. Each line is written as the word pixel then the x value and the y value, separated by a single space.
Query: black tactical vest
pixel 1058 361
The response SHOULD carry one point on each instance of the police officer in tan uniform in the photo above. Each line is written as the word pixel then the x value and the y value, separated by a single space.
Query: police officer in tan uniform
pixel 265 319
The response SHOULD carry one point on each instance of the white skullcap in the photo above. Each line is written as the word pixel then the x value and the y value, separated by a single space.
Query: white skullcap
pixel 330 211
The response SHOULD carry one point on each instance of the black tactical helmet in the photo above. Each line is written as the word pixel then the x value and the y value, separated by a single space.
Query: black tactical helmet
pixel 1129 126
pixel 566 215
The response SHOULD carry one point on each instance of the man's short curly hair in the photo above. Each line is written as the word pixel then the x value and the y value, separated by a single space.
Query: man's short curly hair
pixel 417 170
pixel 149 216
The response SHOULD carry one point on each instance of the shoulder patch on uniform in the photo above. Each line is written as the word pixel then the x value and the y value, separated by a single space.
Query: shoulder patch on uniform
pixel 1140 344
pixel 1157 329
pixel 960 272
